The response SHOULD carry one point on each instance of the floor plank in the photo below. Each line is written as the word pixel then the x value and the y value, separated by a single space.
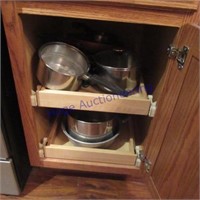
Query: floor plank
pixel 59 184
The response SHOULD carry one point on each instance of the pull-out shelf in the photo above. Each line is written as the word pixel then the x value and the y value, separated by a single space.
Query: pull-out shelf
pixel 120 153
pixel 91 99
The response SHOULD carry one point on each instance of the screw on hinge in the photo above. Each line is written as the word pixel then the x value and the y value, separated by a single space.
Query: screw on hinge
pixel 142 158
pixel 146 162
pixel 178 54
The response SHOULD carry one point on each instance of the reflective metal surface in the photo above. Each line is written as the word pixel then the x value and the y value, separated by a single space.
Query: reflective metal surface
pixel 8 179
pixel 92 124
pixel 93 139
pixel 102 144
pixel 9 182
pixel 119 67
pixel 61 66
pixel 3 149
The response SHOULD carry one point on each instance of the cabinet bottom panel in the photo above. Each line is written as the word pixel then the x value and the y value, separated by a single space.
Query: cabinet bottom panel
pixel 90 167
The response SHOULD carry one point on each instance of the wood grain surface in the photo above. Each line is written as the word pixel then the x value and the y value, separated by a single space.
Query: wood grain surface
pixel 173 99
pixel 22 76
pixel 137 103
pixel 176 173
pixel 164 4
pixel 54 184
pixel 121 151
pixel 169 95
pixel 103 11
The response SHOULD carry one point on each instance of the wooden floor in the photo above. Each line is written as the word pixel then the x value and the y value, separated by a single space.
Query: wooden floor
pixel 56 184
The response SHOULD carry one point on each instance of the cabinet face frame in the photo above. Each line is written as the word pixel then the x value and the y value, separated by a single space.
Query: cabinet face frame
pixel 140 15
pixel 165 4
pixel 15 39
pixel 13 30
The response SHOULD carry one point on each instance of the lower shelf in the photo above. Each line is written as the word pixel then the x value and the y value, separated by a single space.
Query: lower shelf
pixel 121 152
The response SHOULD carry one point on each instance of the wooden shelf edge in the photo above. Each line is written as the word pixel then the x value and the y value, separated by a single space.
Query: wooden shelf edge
pixel 134 104
pixel 89 150
pixel 78 154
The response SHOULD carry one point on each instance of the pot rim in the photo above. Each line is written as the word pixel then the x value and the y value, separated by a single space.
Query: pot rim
pixel 90 138
pixel 95 58
pixel 70 46
pixel 125 69
pixel 89 143
pixel 98 123
pixel 106 67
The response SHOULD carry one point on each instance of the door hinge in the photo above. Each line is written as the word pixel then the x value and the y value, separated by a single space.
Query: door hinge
pixel 178 54
pixel 153 106
pixel 141 158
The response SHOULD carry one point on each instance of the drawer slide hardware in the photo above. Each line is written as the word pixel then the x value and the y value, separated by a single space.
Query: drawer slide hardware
pixel 42 144
pixel 141 158
pixel 153 106
pixel 33 98
pixel 178 54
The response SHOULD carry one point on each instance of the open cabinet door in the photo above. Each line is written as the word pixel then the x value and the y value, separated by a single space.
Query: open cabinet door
pixel 175 167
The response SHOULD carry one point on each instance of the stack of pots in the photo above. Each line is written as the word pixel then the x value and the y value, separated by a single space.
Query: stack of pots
pixel 91 129
pixel 118 66
pixel 64 67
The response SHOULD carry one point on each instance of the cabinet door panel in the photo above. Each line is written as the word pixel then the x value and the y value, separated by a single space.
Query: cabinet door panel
pixel 176 171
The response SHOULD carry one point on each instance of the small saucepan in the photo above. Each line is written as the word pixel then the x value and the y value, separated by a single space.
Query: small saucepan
pixel 63 67
pixel 92 126
pixel 118 66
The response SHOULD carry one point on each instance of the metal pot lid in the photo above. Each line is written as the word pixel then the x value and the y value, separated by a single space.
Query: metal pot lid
pixel 115 58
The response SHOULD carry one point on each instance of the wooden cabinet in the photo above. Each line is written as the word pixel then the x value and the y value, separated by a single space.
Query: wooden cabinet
pixel 177 165
pixel 148 27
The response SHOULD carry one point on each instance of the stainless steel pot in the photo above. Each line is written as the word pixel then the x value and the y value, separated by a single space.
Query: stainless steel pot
pixel 90 139
pixel 118 67
pixel 60 66
pixel 63 66
pixel 101 144
pixel 92 125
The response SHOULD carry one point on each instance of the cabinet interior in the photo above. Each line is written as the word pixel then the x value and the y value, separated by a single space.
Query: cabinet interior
pixel 148 42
